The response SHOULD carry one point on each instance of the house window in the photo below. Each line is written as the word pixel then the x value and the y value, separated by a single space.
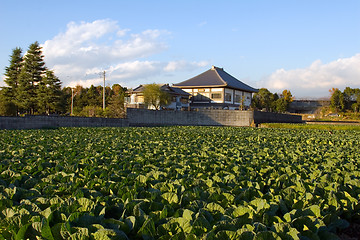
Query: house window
pixel 228 97
pixel 237 98
pixel 201 97
pixel 216 95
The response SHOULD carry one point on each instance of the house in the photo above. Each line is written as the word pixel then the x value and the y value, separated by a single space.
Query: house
pixel 178 98
pixel 215 88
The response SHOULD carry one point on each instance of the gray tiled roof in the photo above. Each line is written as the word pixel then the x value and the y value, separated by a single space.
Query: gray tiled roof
pixel 215 77
pixel 164 87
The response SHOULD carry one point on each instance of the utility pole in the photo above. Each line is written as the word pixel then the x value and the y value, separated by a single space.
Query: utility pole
pixel 104 92
pixel 72 101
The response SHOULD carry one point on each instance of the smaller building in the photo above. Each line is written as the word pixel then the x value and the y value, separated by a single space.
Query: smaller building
pixel 216 88
pixel 179 99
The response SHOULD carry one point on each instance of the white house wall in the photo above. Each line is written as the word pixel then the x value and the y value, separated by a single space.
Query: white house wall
pixel 220 91
pixel 173 105
pixel 223 91
pixel 132 98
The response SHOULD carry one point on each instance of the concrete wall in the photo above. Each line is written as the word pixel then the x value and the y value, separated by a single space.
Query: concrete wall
pixel 144 117
pixel 269 117
pixel 38 122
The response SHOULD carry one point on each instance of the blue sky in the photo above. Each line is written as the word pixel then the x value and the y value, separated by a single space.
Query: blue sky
pixel 304 46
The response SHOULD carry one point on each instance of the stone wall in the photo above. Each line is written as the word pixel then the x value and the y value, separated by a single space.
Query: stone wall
pixel 38 122
pixel 143 117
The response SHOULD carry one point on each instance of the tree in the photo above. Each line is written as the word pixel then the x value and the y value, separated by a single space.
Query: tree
pixel 25 95
pixel 263 99
pixel 31 74
pixel 92 111
pixel 116 107
pixel 283 102
pixel 7 107
pixel 13 71
pixel 12 79
pixel 49 94
pixel 155 97
pixel 356 106
pixel 93 96
pixel 337 102
pixel 78 100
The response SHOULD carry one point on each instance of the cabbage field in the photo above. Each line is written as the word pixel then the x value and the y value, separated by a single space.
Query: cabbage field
pixel 178 183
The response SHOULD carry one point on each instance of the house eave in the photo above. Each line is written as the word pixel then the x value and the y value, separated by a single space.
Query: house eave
pixel 216 86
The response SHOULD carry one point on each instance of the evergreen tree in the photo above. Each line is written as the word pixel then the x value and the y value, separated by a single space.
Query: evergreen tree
pixel 12 78
pixel 116 106
pixel 79 99
pixel 25 93
pixel 29 78
pixel 65 103
pixel 49 94
pixel 7 108
pixel 93 96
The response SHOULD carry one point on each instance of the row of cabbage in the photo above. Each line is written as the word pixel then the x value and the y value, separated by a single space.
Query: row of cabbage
pixel 178 183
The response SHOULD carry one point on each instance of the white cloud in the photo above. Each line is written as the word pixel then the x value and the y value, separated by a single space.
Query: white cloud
pixel 123 73
pixel 317 79
pixel 184 65
pixel 203 23
pixel 85 49
pixel 100 42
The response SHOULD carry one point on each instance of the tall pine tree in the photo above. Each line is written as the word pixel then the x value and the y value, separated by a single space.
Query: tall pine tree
pixel 29 79
pixel 12 80
pixel 49 94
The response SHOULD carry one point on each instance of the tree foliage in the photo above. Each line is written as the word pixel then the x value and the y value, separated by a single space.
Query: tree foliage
pixel 272 102
pixel 7 108
pixel 155 97
pixel 30 77
pixel 8 94
pixel 348 100
pixel 31 87
pixel 12 73
pixel 49 94
pixel 283 102
pixel 263 99
pixel 87 102
pixel 116 104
